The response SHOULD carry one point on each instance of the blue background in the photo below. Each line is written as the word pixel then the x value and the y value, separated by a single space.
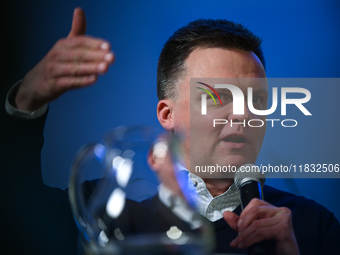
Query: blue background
pixel 300 39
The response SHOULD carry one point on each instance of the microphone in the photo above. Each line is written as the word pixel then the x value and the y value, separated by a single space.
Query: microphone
pixel 249 180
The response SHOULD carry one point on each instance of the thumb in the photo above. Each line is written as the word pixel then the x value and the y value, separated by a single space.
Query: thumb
pixel 78 23
pixel 231 218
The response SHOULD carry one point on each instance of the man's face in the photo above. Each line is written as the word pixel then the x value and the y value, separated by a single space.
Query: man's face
pixel 223 145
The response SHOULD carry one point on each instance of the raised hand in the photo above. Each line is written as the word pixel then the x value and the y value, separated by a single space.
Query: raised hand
pixel 261 221
pixel 73 62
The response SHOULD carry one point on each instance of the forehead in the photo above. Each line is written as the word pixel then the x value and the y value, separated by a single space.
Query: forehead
pixel 219 63
pixel 223 63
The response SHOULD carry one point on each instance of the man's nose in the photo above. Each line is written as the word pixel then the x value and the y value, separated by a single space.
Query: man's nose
pixel 240 118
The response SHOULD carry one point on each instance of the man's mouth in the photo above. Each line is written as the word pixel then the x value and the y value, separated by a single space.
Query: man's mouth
pixel 234 139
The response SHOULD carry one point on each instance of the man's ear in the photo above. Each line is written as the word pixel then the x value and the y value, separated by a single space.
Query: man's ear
pixel 155 163
pixel 165 114
pixel 151 161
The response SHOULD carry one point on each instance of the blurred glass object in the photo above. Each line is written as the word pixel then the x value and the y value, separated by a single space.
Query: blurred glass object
pixel 111 223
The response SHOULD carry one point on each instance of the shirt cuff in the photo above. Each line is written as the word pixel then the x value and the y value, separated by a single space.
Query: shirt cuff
pixel 13 111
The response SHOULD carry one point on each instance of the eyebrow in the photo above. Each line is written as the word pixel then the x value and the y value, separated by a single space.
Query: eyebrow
pixel 258 91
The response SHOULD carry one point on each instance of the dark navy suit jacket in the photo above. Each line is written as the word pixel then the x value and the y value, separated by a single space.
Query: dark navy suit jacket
pixel 37 219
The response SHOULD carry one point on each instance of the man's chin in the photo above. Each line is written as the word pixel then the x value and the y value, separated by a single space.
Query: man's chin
pixel 221 169
pixel 214 171
pixel 236 161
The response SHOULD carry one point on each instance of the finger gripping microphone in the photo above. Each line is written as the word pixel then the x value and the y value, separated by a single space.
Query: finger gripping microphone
pixel 249 180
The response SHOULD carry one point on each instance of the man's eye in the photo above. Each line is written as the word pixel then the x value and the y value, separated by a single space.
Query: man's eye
pixel 257 100
pixel 213 98
pixel 225 98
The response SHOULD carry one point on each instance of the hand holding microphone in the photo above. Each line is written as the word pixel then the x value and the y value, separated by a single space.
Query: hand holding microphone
pixel 259 220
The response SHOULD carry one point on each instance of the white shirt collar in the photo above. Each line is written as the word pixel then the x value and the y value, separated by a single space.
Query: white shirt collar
pixel 210 207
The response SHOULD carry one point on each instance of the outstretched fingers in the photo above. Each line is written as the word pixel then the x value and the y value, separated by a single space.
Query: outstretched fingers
pixel 73 62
